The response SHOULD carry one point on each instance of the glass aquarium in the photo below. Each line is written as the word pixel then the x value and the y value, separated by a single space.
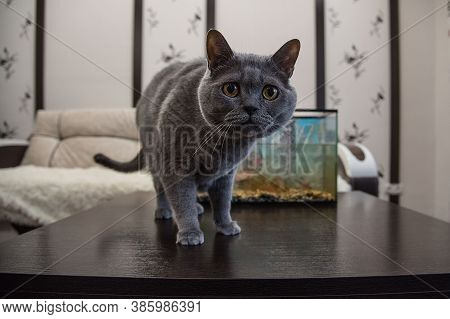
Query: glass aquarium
pixel 297 163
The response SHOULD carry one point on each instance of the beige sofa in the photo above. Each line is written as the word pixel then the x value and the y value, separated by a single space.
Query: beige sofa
pixel 72 138
pixel 53 175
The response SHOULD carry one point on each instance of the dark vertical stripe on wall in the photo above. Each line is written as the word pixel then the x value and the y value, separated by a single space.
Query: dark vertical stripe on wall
pixel 137 51
pixel 395 96
pixel 210 14
pixel 39 56
pixel 320 54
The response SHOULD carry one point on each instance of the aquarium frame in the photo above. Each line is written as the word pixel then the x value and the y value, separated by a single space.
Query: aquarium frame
pixel 331 111
pixel 314 110
pixel 315 202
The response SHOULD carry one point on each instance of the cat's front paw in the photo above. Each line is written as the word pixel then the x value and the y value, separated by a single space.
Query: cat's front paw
pixel 229 229
pixel 163 213
pixel 190 237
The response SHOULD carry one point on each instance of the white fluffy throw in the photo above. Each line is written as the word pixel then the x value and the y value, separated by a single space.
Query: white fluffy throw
pixel 32 196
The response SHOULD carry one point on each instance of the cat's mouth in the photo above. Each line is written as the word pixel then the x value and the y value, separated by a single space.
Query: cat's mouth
pixel 254 119
pixel 254 125
pixel 249 129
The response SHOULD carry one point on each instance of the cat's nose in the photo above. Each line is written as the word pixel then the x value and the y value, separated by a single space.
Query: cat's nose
pixel 250 109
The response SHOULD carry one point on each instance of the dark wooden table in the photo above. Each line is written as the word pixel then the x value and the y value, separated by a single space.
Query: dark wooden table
pixel 364 247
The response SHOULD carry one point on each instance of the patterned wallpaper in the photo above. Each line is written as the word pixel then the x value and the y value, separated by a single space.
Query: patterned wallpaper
pixel 173 30
pixel 16 68
pixel 358 73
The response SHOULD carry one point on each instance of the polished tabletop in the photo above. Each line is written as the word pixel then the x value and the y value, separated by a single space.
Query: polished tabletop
pixel 363 246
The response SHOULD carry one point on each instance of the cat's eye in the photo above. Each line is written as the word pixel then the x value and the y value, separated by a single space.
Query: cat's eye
pixel 270 92
pixel 230 89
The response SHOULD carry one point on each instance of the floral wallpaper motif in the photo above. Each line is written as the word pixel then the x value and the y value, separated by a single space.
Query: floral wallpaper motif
pixel 26 26
pixel 355 59
pixel 6 131
pixel 16 68
pixel 333 18
pixel 7 62
pixel 171 54
pixel 377 24
pixel 358 73
pixel 195 21
pixel 152 19
pixel 355 134
pixel 378 101
pixel 173 31
pixel 334 96
pixel 25 101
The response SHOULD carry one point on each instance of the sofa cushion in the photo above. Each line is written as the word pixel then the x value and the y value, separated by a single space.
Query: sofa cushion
pixel 47 124
pixel 40 150
pixel 111 123
pixel 72 138
pixel 79 151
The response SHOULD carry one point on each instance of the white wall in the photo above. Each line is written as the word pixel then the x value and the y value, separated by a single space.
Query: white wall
pixel 166 24
pixel 101 31
pixel 263 26
pixel 442 173
pixel 361 95
pixel 17 84
pixel 425 118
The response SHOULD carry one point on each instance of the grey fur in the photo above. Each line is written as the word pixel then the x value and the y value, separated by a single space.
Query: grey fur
pixel 190 95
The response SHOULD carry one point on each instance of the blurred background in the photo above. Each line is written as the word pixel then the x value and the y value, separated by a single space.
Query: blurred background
pixel 383 64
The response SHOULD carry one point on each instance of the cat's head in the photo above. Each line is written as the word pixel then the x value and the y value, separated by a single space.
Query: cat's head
pixel 247 90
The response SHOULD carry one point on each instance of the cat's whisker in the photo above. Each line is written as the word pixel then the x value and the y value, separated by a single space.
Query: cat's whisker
pixel 218 140
pixel 212 133
pixel 209 136
pixel 225 136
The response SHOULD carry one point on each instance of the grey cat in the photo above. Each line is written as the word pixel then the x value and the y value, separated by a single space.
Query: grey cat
pixel 198 121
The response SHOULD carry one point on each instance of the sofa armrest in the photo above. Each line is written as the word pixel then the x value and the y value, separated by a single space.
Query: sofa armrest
pixel 11 152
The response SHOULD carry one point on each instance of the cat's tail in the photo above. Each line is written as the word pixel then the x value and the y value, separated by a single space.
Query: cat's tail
pixel 132 166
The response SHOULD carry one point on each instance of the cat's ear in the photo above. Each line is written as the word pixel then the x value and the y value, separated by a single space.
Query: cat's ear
pixel 217 49
pixel 286 56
